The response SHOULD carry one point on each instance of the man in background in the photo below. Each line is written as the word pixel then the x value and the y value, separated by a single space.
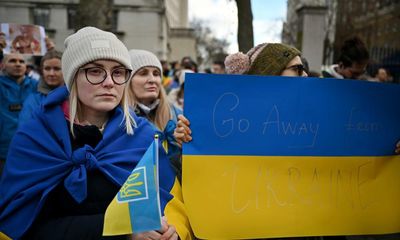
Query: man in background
pixel 15 86
pixel 218 67
pixel 382 75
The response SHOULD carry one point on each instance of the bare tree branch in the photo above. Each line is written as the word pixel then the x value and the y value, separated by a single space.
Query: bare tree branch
pixel 245 25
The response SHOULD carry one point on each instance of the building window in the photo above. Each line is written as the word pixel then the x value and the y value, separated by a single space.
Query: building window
pixel 41 16
pixel 114 20
pixel 72 13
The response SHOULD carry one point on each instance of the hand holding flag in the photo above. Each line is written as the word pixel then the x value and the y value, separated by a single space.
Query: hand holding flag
pixel 167 232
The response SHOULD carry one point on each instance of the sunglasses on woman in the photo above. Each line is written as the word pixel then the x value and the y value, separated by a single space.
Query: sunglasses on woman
pixel 299 68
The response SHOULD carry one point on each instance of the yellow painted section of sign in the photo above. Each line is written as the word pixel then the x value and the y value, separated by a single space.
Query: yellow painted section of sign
pixel 233 197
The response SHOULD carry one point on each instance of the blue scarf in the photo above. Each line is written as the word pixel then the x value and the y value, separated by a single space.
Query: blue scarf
pixel 41 157
pixel 172 148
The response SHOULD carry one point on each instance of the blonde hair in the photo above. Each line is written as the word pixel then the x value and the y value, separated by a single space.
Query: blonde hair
pixel 163 111
pixel 75 109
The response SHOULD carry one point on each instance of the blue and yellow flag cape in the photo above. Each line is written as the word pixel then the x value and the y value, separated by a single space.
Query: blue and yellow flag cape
pixel 41 157
pixel 136 207
pixel 285 157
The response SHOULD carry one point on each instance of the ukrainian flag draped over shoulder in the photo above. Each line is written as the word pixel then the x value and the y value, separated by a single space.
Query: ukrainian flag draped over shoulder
pixel 41 157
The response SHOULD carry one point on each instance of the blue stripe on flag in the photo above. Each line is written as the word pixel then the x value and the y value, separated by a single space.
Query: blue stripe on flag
pixel 290 116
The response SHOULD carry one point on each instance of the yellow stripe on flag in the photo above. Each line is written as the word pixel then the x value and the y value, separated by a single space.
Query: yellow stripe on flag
pixel 234 197
pixel 165 146
pixel 4 237
pixel 176 213
pixel 116 219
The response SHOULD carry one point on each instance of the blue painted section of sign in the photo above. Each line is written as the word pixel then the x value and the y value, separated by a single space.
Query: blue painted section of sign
pixel 290 116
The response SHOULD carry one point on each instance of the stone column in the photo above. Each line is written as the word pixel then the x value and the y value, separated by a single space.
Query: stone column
pixel 311 34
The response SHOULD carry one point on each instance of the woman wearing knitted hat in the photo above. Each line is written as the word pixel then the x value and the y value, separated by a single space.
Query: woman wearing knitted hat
pixel 68 162
pixel 148 98
pixel 268 59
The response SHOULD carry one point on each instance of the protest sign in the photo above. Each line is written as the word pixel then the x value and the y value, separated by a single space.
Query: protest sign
pixel 285 157
pixel 24 39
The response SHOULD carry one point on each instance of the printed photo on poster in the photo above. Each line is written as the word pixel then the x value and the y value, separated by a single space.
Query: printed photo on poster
pixel 24 39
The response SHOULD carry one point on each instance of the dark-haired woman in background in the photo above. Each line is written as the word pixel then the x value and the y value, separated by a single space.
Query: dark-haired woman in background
pixel 352 62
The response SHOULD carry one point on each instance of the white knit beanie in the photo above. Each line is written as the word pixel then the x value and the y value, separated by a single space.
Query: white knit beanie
pixel 90 44
pixel 143 58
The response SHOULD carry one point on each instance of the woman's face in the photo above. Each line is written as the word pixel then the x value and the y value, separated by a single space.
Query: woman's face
pixel 294 68
pixel 146 84
pixel 52 74
pixel 103 97
pixel 355 71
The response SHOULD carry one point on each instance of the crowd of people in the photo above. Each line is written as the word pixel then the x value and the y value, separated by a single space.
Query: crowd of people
pixel 69 141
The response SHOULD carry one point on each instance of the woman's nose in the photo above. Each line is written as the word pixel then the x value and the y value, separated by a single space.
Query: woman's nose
pixel 152 78
pixel 108 81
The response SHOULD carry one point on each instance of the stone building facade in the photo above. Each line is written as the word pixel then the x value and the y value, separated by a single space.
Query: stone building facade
pixel 160 26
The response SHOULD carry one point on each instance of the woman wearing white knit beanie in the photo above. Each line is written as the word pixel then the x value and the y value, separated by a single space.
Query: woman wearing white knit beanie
pixel 68 162
pixel 148 98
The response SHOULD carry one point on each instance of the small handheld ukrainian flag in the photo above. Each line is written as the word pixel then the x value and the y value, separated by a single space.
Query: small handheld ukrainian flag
pixel 136 207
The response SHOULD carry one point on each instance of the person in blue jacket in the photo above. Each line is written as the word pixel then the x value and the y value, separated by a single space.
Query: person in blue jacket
pixel 66 164
pixel 51 78
pixel 15 87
